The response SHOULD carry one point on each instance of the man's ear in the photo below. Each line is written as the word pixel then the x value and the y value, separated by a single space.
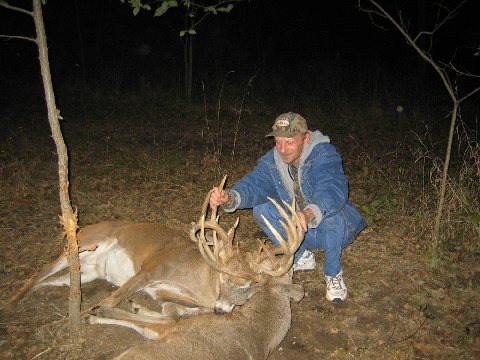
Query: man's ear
pixel 307 138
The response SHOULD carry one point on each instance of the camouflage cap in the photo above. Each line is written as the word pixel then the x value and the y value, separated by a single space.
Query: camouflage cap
pixel 288 125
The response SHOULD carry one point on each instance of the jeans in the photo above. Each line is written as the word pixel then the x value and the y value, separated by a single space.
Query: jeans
pixel 329 236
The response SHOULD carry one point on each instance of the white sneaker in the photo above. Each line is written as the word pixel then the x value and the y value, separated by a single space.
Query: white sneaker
pixel 306 262
pixel 336 289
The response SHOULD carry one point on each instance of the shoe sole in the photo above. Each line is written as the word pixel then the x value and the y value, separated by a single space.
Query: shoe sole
pixel 335 300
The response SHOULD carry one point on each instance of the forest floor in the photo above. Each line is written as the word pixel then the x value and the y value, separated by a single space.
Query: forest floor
pixel 158 168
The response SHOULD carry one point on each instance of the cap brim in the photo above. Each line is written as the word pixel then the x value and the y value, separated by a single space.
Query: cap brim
pixel 287 134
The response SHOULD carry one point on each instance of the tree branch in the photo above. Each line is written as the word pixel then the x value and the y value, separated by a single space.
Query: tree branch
pixel 450 14
pixel 15 8
pixel 423 54
pixel 18 37
pixel 474 91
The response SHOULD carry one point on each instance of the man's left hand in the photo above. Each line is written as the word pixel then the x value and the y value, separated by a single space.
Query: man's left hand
pixel 305 217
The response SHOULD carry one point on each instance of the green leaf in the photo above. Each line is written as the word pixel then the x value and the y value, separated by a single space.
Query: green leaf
pixel 165 6
pixel 182 33
pixel 59 117
pixel 162 9
pixel 225 9
pixel 192 32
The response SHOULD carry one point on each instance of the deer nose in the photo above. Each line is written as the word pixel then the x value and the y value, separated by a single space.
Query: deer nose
pixel 222 306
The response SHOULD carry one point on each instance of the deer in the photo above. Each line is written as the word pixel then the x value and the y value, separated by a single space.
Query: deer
pixel 160 260
pixel 250 331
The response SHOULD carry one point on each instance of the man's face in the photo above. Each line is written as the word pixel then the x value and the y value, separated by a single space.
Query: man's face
pixel 290 149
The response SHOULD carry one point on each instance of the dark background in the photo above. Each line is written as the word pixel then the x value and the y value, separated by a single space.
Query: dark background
pixel 288 46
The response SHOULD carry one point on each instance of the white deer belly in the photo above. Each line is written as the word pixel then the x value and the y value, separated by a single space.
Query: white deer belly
pixel 118 267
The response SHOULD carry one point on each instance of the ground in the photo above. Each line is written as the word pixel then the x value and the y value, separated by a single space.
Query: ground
pixel 158 167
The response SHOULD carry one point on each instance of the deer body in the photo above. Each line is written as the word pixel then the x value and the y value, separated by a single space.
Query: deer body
pixel 251 331
pixel 150 257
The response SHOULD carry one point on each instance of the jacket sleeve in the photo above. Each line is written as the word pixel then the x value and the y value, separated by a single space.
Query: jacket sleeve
pixel 255 187
pixel 325 183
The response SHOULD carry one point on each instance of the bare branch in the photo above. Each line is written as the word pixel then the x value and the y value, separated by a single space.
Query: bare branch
pixel 14 8
pixel 469 94
pixel 423 54
pixel 460 72
pixel 18 37
pixel 450 14
pixel 371 14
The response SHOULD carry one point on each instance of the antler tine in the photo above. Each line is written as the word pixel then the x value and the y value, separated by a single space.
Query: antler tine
pixel 282 242
pixel 228 243
pixel 203 213
pixel 207 201
pixel 202 242
pixel 214 210
pixel 294 233
pixel 294 224
pixel 270 254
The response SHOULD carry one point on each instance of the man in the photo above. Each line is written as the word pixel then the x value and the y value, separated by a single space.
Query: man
pixel 303 164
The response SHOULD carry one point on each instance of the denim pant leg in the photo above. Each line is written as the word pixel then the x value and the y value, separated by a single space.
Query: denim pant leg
pixel 330 237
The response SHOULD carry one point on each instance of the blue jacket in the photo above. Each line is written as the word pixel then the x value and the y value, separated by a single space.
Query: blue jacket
pixel 322 182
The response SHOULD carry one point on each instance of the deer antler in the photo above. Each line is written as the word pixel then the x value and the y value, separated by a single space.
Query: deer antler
pixel 295 235
pixel 222 242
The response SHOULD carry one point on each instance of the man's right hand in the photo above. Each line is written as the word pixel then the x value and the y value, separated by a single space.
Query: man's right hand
pixel 218 197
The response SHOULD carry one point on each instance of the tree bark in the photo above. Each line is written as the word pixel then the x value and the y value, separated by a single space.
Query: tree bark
pixel 68 218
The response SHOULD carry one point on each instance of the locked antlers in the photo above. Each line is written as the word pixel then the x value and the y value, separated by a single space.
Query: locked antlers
pixel 218 249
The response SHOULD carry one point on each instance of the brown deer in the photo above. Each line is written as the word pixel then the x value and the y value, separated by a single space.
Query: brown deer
pixel 251 331
pixel 160 261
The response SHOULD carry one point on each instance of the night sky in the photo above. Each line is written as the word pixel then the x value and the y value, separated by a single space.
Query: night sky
pixel 285 39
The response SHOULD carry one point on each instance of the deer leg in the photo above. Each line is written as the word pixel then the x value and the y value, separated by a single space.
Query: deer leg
pixel 134 284
pixel 149 326
pixel 37 280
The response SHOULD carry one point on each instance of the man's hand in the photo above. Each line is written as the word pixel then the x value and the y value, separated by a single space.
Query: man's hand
pixel 218 197
pixel 305 217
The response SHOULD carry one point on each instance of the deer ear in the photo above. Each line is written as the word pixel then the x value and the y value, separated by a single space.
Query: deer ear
pixel 296 292
pixel 293 291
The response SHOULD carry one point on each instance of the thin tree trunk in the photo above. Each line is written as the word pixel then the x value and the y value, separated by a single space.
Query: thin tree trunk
pixel 69 218
pixel 190 67
pixel 188 59
pixel 446 166
pixel 185 62
pixel 425 55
